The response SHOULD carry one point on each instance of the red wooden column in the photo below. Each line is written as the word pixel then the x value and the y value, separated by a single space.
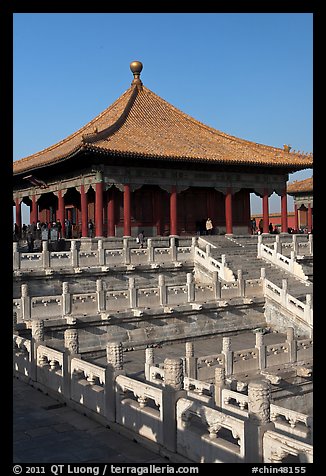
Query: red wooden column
pixel 173 211
pixel 126 210
pixel 265 212
pixel 33 210
pixel 111 217
pixel 309 217
pixel 158 211
pixel 61 212
pixel 99 209
pixel 296 218
pixel 284 212
pixel 84 211
pixel 228 212
pixel 18 215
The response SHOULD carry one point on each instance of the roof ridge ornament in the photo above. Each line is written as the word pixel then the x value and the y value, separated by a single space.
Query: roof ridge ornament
pixel 136 68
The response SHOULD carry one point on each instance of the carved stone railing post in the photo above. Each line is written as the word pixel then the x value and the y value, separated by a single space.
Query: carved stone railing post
pixel 259 245
pixel 278 244
pixel 37 338
pixel 71 341
pixel 228 354
pixel 74 254
pixel 295 244
pixel 132 293
pixel 241 284
pixel 100 253
pixel 162 290
pixel 190 287
pixel 45 254
pixel 217 289
pixel 149 361
pixel 100 295
pixel 259 398
pixel 126 251
pixel 66 299
pixel 14 322
pixel 173 249
pixel 16 256
pixel 260 346
pixel 208 250
pixel 194 242
pixel 150 251
pixel 284 291
pixel 172 391
pixel 25 302
pixel 311 244
pixel 292 344
pixel 191 361
pixel 308 308
pixel 219 385
pixel 114 358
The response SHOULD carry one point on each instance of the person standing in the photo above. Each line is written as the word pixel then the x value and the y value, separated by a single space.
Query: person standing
pixel 141 239
pixel 209 226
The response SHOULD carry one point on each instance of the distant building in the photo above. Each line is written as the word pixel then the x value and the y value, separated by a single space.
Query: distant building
pixel 302 193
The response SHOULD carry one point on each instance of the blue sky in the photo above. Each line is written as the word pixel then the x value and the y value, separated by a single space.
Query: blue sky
pixel 249 75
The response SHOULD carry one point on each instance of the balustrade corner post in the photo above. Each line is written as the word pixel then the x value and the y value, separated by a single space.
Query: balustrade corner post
pixel 37 339
pixel 100 253
pixel 162 290
pixel 74 254
pixel 284 291
pixel 295 244
pixel 66 299
pixel 208 250
pixel 190 361
pixel 114 367
pixel 132 293
pixel 261 347
pixel 25 303
pixel 172 391
pixel 173 249
pixel 278 244
pixel 100 295
pixel 149 362
pixel 259 245
pixel 311 243
pixel 126 251
pixel 190 288
pixel 219 386
pixel 150 251
pixel 292 261
pixel 259 400
pixel 16 256
pixel 292 344
pixel 241 284
pixel 194 243
pixel 45 254
pixel 228 356
pixel 217 288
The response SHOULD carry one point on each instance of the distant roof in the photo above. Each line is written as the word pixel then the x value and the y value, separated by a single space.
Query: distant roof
pixel 141 124
pixel 300 186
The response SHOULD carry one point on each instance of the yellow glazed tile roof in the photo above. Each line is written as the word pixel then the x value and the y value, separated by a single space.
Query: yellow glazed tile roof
pixel 300 186
pixel 141 124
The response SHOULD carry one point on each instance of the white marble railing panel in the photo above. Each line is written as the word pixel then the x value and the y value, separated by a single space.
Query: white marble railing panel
pixel 48 306
pixel 204 293
pixel 176 294
pixel 201 434
pixel 235 402
pixel 278 446
pixel 156 375
pixel 202 391
pixel 245 360
pixel 117 300
pixel 289 264
pixel 212 264
pixel 91 372
pixel 162 255
pixel 139 256
pixel 88 385
pixel 50 368
pixel 134 411
pixel 304 349
pixel 113 257
pixel 88 258
pixel 291 421
pixel 60 259
pixel 184 253
pixel 148 297
pixel 253 287
pixel 277 354
pixel 229 290
pixel 83 303
pixel 31 261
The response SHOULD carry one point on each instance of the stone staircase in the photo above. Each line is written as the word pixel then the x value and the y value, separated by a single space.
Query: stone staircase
pixel 241 253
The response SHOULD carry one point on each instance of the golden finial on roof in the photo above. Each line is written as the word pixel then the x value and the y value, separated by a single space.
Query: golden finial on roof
pixel 136 68
pixel 287 148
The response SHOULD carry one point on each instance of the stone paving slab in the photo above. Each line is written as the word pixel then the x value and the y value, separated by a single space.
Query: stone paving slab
pixel 62 435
